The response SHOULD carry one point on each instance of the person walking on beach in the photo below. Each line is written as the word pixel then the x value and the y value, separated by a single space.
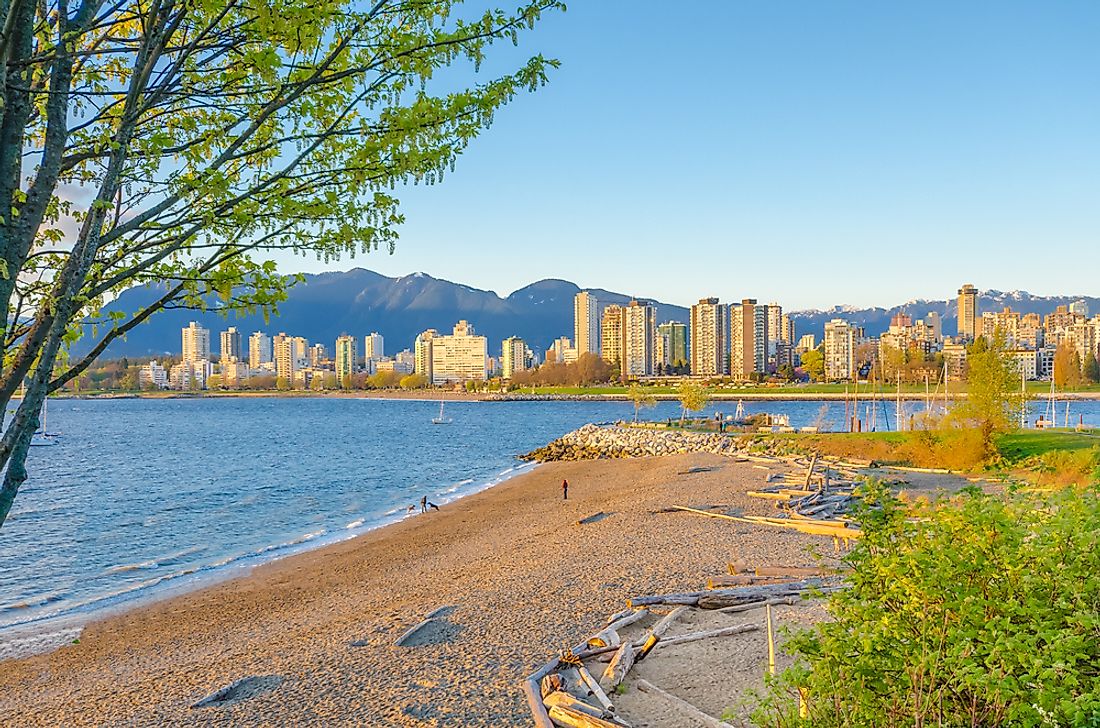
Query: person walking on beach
pixel 565 490
pixel 424 504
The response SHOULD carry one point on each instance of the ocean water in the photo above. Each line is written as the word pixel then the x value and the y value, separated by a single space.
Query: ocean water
pixel 144 495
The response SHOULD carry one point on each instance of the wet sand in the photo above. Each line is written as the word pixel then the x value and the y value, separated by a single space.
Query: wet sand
pixel 524 578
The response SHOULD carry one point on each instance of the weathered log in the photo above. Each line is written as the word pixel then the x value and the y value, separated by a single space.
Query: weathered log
pixel 550 683
pixel 682 705
pixel 620 665
pixel 533 694
pixel 810 472
pixel 563 699
pixel 571 718
pixel 718 582
pixel 696 636
pixel 755 593
pixel 795 571
pixel 609 635
pixel 737 608
pixel 654 636
pixel 619 615
pixel 594 689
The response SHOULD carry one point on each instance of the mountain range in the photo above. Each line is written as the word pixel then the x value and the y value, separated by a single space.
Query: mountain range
pixel 360 301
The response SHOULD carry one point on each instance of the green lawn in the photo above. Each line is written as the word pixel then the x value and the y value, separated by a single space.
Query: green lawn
pixel 1018 446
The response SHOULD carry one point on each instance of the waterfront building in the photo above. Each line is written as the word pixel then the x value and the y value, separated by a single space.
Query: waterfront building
pixel 189 375
pixel 807 343
pixel 406 359
pixel 513 356
pixel 562 351
pixel 639 340
pixel 230 344
pixel 586 323
pixel 286 357
pixel 153 375
pixel 709 338
pixel 422 355
pixel 1027 363
pixel 748 339
pixel 611 335
pixel 317 355
pixel 461 357
pixel 259 350
pixel 347 358
pixel 390 364
pixel 840 350
pixel 672 344
pixel 234 372
pixel 968 312
pixel 196 343
pixel 373 347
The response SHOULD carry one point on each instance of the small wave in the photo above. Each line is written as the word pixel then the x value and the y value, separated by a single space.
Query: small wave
pixel 38 600
pixel 465 482
pixel 355 524
pixel 121 568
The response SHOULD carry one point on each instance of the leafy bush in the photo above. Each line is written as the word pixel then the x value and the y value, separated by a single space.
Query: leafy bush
pixel 982 610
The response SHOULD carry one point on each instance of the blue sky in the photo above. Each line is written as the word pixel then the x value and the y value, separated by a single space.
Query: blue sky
pixel 814 153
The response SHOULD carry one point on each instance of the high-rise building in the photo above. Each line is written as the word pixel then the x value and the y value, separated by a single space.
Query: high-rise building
pixel 301 351
pixel 710 338
pixel 748 339
pixel 317 355
pixel 513 356
pixel 259 350
pixel 196 343
pixel 639 340
pixel 562 351
pixel 1080 308
pixel 230 345
pixel 586 323
pixel 422 353
pixel 611 335
pixel 461 357
pixel 840 350
pixel 286 357
pixel 968 312
pixel 672 344
pixel 806 343
pixel 934 323
pixel 347 358
pixel 373 346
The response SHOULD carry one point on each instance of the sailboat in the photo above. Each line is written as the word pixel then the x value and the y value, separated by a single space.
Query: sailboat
pixel 43 437
pixel 441 420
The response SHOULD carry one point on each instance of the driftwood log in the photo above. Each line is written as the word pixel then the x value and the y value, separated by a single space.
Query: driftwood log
pixel 592 687
pixel 609 635
pixel 572 718
pixel 696 636
pixel 620 665
pixel 735 595
pixel 561 699
pixel 654 636
pixel 681 705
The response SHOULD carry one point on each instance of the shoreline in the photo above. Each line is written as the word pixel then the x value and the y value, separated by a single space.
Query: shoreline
pixel 451 396
pixel 38 633
pixel 520 571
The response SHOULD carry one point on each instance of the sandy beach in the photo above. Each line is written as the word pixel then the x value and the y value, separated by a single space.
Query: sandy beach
pixel 523 577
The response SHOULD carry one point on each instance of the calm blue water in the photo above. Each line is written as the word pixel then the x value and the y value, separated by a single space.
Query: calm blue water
pixel 143 495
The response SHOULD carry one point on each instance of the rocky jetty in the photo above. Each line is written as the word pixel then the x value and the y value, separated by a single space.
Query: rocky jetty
pixel 593 442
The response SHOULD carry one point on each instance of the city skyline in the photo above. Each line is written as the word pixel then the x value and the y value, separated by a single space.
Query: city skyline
pixel 821 151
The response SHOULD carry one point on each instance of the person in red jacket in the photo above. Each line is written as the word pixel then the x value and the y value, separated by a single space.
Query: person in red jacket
pixel 565 490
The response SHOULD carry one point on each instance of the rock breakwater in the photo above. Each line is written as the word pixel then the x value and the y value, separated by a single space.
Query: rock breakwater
pixel 592 442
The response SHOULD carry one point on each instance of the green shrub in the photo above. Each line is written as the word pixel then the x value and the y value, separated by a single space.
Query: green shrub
pixel 983 610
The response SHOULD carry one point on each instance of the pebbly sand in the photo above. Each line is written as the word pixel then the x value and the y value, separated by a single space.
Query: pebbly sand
pixel 523 578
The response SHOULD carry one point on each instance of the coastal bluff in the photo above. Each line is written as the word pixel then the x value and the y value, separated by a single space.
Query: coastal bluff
pixel 598 442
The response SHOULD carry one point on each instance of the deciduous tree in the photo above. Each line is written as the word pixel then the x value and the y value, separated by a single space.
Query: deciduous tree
pixel 175 143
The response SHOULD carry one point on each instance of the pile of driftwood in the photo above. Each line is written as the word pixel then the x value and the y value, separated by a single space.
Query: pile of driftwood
pixel 815 502
pixel 572 689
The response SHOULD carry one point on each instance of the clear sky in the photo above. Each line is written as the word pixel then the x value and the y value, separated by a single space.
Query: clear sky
pixel 813 153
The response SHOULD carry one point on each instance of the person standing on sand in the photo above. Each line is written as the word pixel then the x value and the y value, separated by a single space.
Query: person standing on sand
pixel 424 504
pixel 565 490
